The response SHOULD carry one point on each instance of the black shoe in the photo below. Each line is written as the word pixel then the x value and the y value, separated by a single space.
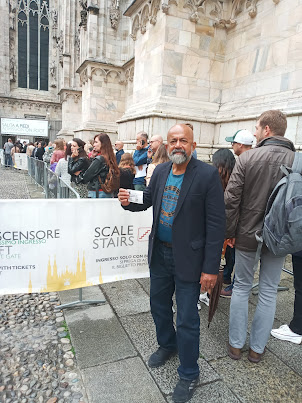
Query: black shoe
pixel 160 356
pixel 184 390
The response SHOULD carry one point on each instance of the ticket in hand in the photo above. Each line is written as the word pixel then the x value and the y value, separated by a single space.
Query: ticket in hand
pixel 136 196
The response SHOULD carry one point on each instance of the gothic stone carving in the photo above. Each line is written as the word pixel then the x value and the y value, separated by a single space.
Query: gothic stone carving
pixel 60 47
pixel 12 69
pixel 77 43
pixel 154 10
pixel 53 75
pixel 76 96
pixel 54 15
pixel 25 105
pixel 135 27
pixel 144 18
pixel 84 77
pixel 214 9
pixel 166 5
pixel 83 13
pixel 114 14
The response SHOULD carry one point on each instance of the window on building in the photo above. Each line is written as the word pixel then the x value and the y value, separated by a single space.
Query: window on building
pixel 33 44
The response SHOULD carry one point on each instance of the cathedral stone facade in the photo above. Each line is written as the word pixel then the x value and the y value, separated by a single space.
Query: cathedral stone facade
pixel 122 66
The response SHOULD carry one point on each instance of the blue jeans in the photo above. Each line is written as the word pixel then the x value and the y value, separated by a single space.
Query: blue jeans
pixel 102 195
pixel 139 186
pixel 162 285
pixel 8 160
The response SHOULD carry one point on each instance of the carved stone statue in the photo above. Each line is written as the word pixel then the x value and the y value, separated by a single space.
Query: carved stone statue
pixel 12 69
pixel 12 20
pixel 53 74
pixel 83 13
pixel 77 43
pixel 114 17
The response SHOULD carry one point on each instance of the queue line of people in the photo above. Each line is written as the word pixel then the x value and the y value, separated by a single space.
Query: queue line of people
pixel 191 219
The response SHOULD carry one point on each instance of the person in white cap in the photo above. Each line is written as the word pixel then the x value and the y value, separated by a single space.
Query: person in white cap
pixel 241 141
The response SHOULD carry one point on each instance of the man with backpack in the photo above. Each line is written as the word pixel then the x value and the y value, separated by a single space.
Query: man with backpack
pixel 254 176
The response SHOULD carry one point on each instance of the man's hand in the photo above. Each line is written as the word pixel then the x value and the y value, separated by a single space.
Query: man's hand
pixel 149 153
pixel 123 196
pixel 231 242
pixel 139 144
pixel 207 282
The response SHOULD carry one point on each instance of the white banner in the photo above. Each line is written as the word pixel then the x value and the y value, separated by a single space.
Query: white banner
pixel 2 157
pixel 25 127
pixel 20 161
pixel 70 243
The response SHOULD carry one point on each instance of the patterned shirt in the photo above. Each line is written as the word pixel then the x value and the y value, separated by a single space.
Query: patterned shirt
pixel 168 206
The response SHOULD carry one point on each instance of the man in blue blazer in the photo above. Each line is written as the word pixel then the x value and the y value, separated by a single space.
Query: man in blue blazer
pixel 184 250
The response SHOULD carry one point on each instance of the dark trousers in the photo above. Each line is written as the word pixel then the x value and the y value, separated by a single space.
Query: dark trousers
pixel 229 264
pixel 296 324
pixel 8 160
pixel 162 286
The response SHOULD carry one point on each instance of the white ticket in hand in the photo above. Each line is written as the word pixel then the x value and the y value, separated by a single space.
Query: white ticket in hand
pixel 136 196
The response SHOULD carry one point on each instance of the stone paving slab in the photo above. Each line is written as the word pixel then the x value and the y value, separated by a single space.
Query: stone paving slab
pixel 13 184
pixel 97 335
pixel 289 353
pixel 269 381
pixel 93 293
pixel 141 330
pixel 145 283
pixel 213 340
pixel 126 381
pixel 127 297
pixel 216 392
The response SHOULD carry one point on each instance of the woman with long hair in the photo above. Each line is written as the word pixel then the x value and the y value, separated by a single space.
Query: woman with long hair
pixel 62 166
pixel 57 154
pixel 127 171
pixel 103 173
pixel 15 149
pixel 224 161
pixel 160 157
pixel 77 164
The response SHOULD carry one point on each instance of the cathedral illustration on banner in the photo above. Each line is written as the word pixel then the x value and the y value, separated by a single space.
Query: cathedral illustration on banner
pixel 67 279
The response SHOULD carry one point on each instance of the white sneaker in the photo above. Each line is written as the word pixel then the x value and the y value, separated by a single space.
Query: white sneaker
pixel 284 333
pixel 204 299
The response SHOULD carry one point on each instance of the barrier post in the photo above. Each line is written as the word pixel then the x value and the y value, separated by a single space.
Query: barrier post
pixel 46 190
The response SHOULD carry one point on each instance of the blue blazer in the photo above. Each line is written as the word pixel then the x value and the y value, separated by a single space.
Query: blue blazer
pixel 199 220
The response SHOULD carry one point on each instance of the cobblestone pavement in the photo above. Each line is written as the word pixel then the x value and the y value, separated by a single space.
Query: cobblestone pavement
pixel 37 362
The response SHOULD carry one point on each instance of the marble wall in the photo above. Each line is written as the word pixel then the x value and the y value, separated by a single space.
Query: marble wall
pixel 124 66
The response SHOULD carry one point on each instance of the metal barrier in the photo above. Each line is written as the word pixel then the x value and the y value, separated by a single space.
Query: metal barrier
pixel 53 186
pixel 66 191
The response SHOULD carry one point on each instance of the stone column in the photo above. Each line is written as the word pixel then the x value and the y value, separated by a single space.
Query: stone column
pixel 71 113
pixel 178 70
pixel 103 98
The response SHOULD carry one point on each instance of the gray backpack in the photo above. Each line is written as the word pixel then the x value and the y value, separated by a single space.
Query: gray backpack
pixel 282 228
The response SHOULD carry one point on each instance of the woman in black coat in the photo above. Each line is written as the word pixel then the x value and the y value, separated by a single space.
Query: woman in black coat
pixel 103 168
pixel 78 163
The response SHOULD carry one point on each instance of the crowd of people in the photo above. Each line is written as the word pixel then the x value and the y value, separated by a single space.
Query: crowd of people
pixel 196 208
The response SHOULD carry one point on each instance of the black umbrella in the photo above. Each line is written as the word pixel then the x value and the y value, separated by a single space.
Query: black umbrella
pixel 215 294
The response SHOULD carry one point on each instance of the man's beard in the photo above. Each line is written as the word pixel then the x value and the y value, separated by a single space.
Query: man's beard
pixel 179 159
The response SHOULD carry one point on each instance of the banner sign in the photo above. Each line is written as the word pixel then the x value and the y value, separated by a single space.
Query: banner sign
pixel 20 161
pixel 25 127
pixel 63 244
